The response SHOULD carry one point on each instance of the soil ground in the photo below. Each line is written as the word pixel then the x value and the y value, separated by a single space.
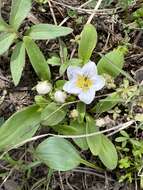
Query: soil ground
pixel 111 33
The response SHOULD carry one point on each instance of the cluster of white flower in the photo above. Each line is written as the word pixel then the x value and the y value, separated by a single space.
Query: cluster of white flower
pixel 83 82
pixel 44 87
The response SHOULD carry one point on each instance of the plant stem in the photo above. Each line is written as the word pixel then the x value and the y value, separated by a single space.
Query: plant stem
pixel 50 173
pixel 91 165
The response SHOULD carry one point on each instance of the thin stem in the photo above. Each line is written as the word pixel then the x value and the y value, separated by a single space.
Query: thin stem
pixel 91 165
pixel 52 12
pixel 50 173
pixel 117 128
pixel 95 9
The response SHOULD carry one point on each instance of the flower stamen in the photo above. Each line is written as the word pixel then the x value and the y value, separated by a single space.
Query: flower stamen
pixel 84 82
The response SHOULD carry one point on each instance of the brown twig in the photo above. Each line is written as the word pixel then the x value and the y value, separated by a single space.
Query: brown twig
pixel 94 11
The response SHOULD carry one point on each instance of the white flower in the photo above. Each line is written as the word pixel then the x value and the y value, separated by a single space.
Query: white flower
pixel 60 96
pixel 43 87
pixel 84 82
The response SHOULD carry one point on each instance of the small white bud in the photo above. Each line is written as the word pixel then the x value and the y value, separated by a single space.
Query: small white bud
pixel 100 122
pixel 43 87
pixel 74 113
pixel 60 96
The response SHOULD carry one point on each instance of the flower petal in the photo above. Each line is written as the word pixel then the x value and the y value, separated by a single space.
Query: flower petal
pixel 89 69
pixel 71 88
pixel 98 82
pixel 72 71
pixel 87 97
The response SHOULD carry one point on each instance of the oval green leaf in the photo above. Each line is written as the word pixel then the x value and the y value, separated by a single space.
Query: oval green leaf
pixel 19 11
pixel 37 59
pixel 107 104
pixel 87 42
pixel 19 127
pixel 58 154
pixel 65 129
pixel 121 139
pixel 73 129
pixel 80 130
pixel 48 31
pixel 17 62
pixel 108 154
pixel 94 142
pixel 53 114
pixel 81 108
pixel 54 61
pixel 111 63
pixel 6 39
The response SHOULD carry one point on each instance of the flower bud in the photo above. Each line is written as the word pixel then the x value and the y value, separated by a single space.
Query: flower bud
pixel 74 113
pixel 60 96
pixel 100 122
pixel 43 87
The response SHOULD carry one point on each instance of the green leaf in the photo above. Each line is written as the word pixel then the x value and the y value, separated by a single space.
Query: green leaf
pixel 124 133
pixel 17 62
pixel 124 4
pixel 53 114
pixel 121 139
pixel 37 59
pixel 59 84
pixel 63 52
pixel 54 61
pixel 87 42
pixel 64 56
pixel 75 62
pixel 19 11
pixel 48 31
pixel 81 108
pixel 63 68
pixel 41 101
pixel 112 63
pixel 107 103
pixel 71 62
pixel 135 142
pixel 108 154
pixel 138 13
pixel 4 27
pixel 58 154
pixel 74 129
pixel 6 39
pixel 94 142
pixel 65 129
pixel 139 117
pixel 80 130
pixel 20 126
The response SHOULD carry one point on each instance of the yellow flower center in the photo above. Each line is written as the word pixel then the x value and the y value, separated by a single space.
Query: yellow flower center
pixel 84 82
